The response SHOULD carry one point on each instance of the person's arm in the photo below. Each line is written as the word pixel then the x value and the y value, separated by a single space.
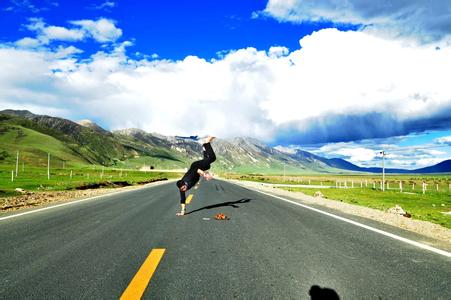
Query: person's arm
pixel 182 204
pixel 182 197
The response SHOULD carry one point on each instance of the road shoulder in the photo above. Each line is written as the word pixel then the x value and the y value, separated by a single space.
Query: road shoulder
pixel 422 231
pixel 48 200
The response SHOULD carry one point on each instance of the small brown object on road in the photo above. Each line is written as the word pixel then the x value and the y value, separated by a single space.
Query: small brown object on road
pixel 221 217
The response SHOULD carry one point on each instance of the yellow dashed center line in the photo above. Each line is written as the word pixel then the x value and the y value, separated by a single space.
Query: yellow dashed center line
pixel 138 285
pixel 188 200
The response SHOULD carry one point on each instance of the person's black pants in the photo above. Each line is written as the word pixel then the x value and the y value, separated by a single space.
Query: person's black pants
pixel 209 157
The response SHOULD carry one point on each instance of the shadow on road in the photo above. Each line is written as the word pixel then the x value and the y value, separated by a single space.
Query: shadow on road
pixel 229 203
pixel 317 293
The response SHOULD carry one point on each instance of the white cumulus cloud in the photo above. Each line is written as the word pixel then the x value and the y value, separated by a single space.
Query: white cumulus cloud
pixel 45 33
pixel 356 155
pixel 339 86
pixel 444 140
pixel 106 5
pixel 64 52
pixel 63 34
pixel 366 153
pixel 426 162
pixel 28 42
pixel 103 30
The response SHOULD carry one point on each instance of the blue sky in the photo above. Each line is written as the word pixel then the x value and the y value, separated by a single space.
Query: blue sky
pixel 335 77
pixel 171 29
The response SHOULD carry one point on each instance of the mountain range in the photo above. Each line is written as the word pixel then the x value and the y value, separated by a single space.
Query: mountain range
pixel 85 142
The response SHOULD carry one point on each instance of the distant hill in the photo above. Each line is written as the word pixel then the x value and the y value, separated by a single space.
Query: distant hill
pixel 443 167
pixel 342 164
pixel 237 154
pixel 135 148
pixel 85 142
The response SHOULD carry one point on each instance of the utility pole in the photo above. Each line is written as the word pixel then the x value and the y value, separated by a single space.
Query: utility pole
pixel 17 163
pixel 383 170
pixel 48 167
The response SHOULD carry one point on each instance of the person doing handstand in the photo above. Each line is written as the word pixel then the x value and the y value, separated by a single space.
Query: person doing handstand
pixel 197 169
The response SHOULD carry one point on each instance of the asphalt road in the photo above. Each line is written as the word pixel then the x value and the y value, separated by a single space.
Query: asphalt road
pixel 268 249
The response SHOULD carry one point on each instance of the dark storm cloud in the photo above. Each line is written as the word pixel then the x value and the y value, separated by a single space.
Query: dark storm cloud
pixel 424 20
pixel 346 128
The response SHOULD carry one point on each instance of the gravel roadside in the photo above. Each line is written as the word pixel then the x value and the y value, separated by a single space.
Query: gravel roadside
pixel 46 198
pixel 424 228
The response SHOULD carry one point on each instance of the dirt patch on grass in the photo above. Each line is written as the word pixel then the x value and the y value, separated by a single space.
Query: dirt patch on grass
pixel 33 199
pixel 115 184
pixel 98 185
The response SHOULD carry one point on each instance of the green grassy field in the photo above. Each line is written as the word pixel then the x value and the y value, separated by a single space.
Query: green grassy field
pixel 409 183
pixel 151 162
pixel 430 206
pixel 35 178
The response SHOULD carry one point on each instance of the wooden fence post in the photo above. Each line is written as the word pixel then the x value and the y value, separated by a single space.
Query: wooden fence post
pixel 17 163
pixel 48 167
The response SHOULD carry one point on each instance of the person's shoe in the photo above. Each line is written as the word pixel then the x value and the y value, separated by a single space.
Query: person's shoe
pixel 209 139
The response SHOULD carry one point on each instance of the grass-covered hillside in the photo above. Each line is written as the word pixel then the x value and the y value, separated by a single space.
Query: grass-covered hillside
pixel 89 145
pixel 33 147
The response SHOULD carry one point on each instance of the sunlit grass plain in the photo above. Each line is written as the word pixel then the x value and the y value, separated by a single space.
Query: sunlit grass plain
pixel 33 178
pixel 365 190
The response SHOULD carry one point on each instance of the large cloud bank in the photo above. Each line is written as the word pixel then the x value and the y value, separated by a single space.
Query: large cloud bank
pixel 338 86
pixel 422 21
